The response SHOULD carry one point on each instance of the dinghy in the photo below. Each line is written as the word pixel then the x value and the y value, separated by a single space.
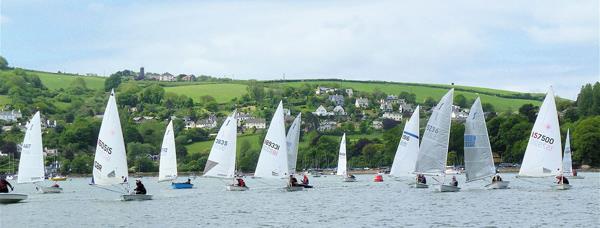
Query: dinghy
pixel 222 157
pixel 479 162
pixel 167 170
pixel 408 149
pixel 543 154
pixel 7 198
pixel 292 141
pixel 31 163
pixel 433 153
pixel 58 178
pixel 342 169
pixel 568 170
pixel 110 162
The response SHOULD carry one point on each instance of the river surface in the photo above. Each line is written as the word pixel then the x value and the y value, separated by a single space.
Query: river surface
pixel 331 203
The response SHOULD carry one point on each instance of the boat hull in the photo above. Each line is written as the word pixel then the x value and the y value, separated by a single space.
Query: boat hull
pixel 447 188
pixel 6 198
pixel 234 188
pixel 562 187
pixel 50 190
pixel 58 178
pixel 349 179
pixel 135 197
pixel 293 188
pixel 499 185
pixel 181 186
pixel 420 185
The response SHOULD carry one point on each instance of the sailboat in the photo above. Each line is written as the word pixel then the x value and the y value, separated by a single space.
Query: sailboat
pixel 479 162
pixel 543 154
pixel 167 170
pixel 272 162
pixel 31 163
pixel 342 168
pixel 433 153
pixel 221 160
pixel 408 149
pixel 110 162
pixel 567 161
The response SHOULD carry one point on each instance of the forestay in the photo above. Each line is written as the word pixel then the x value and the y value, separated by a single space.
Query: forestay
pixel 408 148
pixel 168 156
pixel 221 160
pixel 272 162
pixel 292 141
pixel 434 146
pixel 31 163
pixel 567 162
pixel 479 162
pixel 110 162
pixel 342 168
pixel 543 154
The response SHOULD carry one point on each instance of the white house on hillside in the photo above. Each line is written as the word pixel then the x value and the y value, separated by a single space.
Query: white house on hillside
pixel 361 102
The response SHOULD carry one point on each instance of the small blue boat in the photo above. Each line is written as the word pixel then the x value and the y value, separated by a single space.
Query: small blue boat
pixel 181 185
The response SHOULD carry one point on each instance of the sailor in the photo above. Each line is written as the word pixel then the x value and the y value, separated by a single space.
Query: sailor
pixel 139 188
pixel 293 181
pixel 4 184
pixel 562 179
pixel 305 180
pixel 454 182
pixel 188 181
pixel 55 185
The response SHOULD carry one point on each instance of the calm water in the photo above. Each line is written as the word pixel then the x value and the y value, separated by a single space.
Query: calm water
pixel 330 204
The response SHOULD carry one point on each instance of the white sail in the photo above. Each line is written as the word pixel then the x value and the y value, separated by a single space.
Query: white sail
pixel 408 148
pixel 479 162
pixel 543 154
pixel 221 160
pixel 272 162
pixel 434 146
pixel 293 139
pixel 567 162
pixel 110 162
pixel 342 168
pixel 31 163
pixel 168 156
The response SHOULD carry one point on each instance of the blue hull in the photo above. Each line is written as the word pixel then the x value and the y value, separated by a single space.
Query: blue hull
pixel 181 185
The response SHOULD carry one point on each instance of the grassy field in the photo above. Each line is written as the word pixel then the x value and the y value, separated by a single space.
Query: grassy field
pixel 422 92
pixel 221 92
pixel 4 100
pixel 57 81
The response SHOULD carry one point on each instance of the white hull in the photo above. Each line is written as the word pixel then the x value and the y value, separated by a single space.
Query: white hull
pixel 499 185
pixel 349 179
pixel 561 187
pixel 447 188
pixel 293 189
pixel 50 190
pixel 135 197
pixel 234 188
pixel 420 185
pixel 6 198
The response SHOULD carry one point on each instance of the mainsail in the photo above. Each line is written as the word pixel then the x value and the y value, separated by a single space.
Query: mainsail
pixel 293 138
pixel 567 162
pixel 168 158
pixel 543 154
pixel 110 163
pixel 31 163
pixel 272 162
pixel 434 146
pixel 479 162
pixel 342 168
pixel 408 148
pixel 221 160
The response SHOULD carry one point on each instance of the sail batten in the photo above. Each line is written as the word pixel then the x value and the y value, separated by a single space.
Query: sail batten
pixel 543 154
pixel 221 160
pixel 479 162
pixel 408 148
pixel 168 156
pixel 110 161
pixel 272 162
pixel 292 141
pixel 342 168
pixel 31 162
pixel 433 152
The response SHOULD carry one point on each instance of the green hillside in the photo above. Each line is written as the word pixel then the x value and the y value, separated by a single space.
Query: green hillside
pixel 57 81
pixel 221 92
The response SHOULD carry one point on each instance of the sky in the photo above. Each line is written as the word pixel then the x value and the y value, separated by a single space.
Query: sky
pixel 523 46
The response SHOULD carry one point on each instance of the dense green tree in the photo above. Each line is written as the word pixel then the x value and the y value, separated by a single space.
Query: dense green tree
pixel 586 138
pixel 529 111
pixel 461 101
pixel 3 63
pixel 585 100
pixel 595 110
pixel 112 82
pixel 152 94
